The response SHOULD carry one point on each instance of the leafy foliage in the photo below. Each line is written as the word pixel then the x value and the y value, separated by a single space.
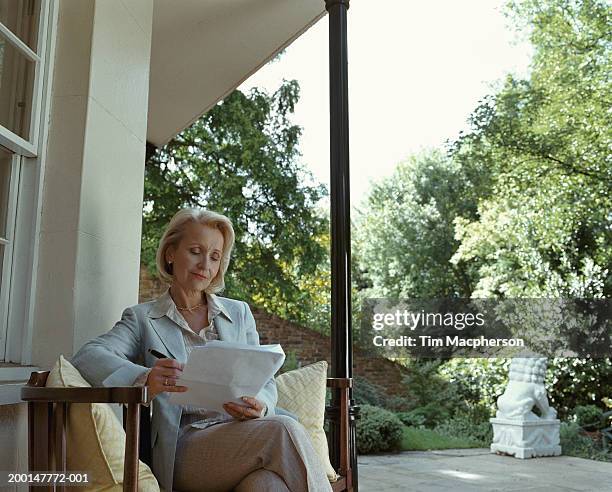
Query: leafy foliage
pixel 316 289
pixel 431 398
pixel 575 443
pixel 413 418
pixel 405 235
pixel 472 425
pixel 519 207
pixel 378 430
pixel 545 228
pixel 573 382
pixel 366 393
pixel 241 159
pixel 589 417
pixel 478 381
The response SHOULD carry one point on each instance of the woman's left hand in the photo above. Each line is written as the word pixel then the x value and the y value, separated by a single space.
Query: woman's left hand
pixel 253 408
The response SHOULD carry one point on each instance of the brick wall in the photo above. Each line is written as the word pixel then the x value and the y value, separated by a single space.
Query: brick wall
pixel 150 287
pixel 309 346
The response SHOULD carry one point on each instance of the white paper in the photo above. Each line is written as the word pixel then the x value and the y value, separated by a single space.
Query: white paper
pixel 221 372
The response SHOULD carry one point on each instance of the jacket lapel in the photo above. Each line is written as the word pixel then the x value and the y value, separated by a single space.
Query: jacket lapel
pixel 226 322
pixel 163 321
pixel 171 337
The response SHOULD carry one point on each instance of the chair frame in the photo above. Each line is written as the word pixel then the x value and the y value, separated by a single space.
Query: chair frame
pixel 47 424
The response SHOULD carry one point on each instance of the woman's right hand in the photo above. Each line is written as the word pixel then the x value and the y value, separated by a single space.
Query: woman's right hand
pixel 163 377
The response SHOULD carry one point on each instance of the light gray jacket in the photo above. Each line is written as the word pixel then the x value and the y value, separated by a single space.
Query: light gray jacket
pixel 119 357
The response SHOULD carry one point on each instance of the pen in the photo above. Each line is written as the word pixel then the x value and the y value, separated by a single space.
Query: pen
pixel 158 354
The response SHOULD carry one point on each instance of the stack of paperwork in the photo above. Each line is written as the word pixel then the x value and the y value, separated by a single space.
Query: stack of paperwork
pixel 221 372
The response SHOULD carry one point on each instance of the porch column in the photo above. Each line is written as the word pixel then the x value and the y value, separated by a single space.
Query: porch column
pixel 341 333
pixel 89 254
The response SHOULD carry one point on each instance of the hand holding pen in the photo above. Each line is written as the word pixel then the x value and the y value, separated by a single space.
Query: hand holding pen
pixel 163 375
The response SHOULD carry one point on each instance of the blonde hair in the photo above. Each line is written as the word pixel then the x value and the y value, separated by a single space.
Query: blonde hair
pixel 174 233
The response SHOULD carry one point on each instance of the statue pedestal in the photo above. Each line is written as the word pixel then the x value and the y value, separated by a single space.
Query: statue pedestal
pixel 526 438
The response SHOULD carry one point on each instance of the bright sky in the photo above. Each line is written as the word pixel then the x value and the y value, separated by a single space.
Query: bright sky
pixel 416 71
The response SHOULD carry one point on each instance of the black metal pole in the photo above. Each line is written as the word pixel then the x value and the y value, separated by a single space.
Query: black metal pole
pixel 341 332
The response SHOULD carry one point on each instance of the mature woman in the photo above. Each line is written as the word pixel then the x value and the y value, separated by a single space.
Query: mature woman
pixel 249 448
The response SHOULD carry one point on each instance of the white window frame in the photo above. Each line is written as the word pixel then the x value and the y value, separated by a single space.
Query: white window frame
pixel 8 242
pixel 8 139
pixel 25 202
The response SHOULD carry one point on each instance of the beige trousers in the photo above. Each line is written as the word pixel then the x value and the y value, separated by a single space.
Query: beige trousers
pixel 271 454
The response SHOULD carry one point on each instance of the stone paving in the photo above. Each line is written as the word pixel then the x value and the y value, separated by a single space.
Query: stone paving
pixel 479 470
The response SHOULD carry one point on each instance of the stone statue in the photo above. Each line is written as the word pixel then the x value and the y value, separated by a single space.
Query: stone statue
pixel 517 430
pixel 525 391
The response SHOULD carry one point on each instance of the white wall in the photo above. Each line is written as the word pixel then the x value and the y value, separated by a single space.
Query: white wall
pixel 92 204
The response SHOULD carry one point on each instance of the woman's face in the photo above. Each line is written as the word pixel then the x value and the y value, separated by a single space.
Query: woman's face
pixel 197 257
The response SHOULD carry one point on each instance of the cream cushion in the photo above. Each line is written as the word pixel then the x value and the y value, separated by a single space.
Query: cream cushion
pixel 95 437
pixel 302 392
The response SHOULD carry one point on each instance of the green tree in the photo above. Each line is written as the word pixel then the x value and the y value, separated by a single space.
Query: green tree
pixel 545 227
pixel 404 236
pixel 242 159
pixel 535 218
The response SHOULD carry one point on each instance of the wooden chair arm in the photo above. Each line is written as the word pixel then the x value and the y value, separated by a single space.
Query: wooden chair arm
pixel 127 395
pixel 36 391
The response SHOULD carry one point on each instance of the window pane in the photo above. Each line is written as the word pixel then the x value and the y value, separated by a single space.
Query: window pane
pixel 5 176
pixel 16 89
pixel 21 17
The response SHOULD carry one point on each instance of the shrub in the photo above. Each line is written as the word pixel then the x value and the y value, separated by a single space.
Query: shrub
pixel 477 381
pixel 574 443
pixel 573 382
pixel 414 418
pixel 589 417
pixel 471 424
pixel 366 393
pixel 397 403
pixel 429 394
pixel 378 430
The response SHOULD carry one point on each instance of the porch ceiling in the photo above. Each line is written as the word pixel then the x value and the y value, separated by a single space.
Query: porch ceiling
pixel 203 49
